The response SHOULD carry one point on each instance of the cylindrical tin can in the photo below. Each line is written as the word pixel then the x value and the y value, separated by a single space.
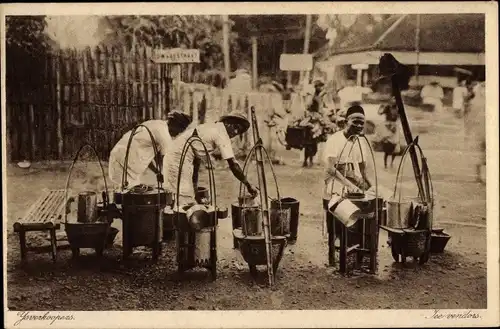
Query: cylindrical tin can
pixel 87 207
pixel 251 220
pixel 344 210
pixel 399 213
pixel 289 217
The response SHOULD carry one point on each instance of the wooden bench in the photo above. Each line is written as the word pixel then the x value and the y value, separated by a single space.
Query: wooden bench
pixel 44 215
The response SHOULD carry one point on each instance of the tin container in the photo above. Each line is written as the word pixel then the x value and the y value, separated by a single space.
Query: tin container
pixel 251 220
pixel 344 210
pixel 399 212
pixel 87 207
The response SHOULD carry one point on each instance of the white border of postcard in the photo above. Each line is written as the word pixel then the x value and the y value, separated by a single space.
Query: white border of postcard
pixel 280 319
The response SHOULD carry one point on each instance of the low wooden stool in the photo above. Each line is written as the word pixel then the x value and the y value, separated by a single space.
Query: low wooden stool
pixel 44 215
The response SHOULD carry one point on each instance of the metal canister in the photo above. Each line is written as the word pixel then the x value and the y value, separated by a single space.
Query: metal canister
pixel 87 207
pixel 399 212
pixel 280 216
pixel 143 216
pixel 344 210
pixel 251 221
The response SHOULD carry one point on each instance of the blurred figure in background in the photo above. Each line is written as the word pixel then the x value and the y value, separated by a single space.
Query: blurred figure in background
pixel 314 120
pixel 475 127
pixel 460 98
pixel 432 94
pixel 351 94
pixel 388 132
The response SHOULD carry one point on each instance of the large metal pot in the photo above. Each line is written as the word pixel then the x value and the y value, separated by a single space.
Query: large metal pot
pixel 147 196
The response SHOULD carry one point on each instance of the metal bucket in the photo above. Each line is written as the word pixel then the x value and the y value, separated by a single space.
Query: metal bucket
pixel 202 195
pixel 251 221
pixel 87 207
pixel 344 210
pixel 280 215
pixel 399 212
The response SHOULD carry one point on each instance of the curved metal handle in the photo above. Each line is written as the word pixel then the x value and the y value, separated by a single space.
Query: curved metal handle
pixel 211 177
pixel 105 202
pixel 356 139
pixel 424 168
pixel 155 150
pixel 400 169
pixel 247 161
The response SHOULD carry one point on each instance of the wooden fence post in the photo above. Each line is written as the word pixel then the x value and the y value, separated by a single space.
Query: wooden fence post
pixel 59 108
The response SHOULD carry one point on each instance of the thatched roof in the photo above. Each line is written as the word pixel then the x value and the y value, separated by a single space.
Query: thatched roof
pixel 455 33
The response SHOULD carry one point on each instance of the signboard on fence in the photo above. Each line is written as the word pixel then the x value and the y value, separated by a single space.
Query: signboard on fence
pixel 176 56
pixel 296 62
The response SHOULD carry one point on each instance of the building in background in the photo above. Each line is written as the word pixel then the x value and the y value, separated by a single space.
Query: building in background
pixel 432 45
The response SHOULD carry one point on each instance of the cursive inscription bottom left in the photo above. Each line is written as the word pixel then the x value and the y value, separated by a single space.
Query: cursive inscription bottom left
pixel 47 316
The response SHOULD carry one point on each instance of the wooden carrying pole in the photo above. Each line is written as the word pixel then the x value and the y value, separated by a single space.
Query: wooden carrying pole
pixel 225 36
pixel 263 196
pixel 399 77
pixel 254 63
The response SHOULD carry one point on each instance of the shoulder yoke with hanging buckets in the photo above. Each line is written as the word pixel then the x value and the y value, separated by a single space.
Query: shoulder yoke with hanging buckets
pixel 92 228
pixel 196 223
pixel 261 232
pixel 409 220
pixel 414 240
pixel 354 219
pixel 142 207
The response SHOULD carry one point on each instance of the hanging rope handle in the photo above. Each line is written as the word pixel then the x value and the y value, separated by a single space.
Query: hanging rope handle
pixel 105 201
pixel 188 147
pixel 159 178
pixel 399 174
pixel 259 144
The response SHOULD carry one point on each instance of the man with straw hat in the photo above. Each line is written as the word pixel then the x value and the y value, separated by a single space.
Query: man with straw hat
pixel 215 135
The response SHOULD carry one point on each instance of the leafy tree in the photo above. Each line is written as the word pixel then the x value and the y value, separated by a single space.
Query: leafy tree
pixel 203 32
pixel 26 33
pixel 342 28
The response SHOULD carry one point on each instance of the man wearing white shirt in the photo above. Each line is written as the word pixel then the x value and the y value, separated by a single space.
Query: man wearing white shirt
pixel 216 135
pixel 433 94
pixel 141 159
pixel 345 165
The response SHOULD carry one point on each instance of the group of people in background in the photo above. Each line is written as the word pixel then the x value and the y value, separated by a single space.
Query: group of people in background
pixel 170 136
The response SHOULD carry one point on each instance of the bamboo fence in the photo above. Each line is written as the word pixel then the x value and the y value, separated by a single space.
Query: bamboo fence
pixel 59 101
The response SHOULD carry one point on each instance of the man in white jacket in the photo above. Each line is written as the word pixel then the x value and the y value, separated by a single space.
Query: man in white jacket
pixel 142 162
pixel 216 135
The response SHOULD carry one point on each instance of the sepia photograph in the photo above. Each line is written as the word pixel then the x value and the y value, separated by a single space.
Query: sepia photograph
pixel 214 157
